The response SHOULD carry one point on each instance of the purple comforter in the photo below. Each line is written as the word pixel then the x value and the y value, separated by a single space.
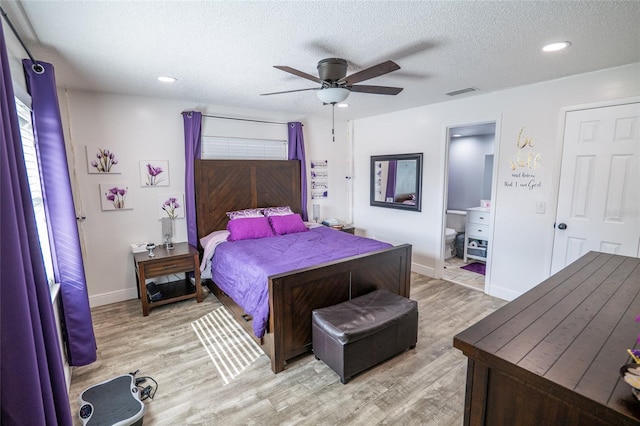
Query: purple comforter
pixel 241 268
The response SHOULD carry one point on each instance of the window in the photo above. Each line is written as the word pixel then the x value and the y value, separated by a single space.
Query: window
pixel 224 148
pixel 33 175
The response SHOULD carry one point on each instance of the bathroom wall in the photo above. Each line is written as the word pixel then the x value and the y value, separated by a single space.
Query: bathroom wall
pixel 468 171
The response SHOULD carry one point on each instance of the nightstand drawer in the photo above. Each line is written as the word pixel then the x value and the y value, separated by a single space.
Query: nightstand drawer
pixel 478 217
pixel 168 266
pixel 478 231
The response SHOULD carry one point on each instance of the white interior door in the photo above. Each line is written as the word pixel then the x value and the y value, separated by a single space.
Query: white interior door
pixel 598 207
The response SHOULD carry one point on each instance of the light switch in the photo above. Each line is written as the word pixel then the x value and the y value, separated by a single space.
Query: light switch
pixel 540 207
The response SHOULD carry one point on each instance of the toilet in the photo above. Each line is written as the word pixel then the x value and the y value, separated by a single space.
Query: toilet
pixel 456 221
pixel 449 243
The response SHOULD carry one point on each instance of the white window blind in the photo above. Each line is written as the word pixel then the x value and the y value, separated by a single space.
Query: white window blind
pixel 227 148
pixel 33 176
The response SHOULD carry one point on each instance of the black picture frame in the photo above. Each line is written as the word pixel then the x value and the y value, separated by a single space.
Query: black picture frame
pixel 406 179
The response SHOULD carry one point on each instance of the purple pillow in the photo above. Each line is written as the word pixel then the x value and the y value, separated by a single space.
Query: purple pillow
pixel 287 224
pixel 249 228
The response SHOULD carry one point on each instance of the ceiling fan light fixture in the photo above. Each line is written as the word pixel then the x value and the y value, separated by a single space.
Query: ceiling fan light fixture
pixel 333 95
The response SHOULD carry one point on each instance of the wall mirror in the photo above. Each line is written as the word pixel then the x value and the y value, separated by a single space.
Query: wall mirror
pixel 396 181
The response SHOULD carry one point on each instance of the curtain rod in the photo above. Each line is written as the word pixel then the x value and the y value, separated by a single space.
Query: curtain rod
pixel 243 119
pixel 36 66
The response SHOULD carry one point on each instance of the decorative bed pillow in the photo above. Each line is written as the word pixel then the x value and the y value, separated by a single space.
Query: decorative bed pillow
pixel 277 211
pixel 245 213
pixel 287 224
pixel 249 228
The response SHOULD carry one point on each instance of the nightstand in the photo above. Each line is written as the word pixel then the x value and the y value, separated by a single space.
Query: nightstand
pixel 349 229
pixel 183 258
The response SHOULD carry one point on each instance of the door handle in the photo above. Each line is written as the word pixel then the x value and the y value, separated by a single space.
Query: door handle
pixel 562 226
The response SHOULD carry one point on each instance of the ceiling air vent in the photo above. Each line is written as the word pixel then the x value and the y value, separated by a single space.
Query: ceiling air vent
pixel 461 91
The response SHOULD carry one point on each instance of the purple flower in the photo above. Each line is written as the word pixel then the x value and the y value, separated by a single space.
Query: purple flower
pixel 170 206
pixel 116 196
pixel 106 161
pixel 152 175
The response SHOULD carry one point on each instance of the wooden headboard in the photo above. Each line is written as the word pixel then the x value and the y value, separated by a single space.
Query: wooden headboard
pixel 227 185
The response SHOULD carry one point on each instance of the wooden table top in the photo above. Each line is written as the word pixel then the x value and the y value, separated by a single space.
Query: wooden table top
pixel 569 334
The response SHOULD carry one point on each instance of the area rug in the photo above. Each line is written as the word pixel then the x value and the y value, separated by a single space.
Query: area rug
pixel 476 267
pixel 230 348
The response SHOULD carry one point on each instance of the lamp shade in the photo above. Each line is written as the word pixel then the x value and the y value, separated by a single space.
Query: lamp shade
pixel 333 95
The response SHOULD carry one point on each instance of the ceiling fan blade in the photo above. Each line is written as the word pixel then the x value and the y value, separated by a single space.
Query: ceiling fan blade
pixel 298 73
pixel 371 72
pixel 378 90
pixel 288 91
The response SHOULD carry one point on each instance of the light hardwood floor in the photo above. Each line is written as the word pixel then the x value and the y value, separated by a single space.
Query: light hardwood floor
pixel 423 386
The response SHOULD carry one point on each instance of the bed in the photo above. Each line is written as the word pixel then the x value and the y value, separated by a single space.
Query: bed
pixel 230 185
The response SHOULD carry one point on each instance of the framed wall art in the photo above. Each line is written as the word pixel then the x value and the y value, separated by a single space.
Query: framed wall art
pixel 101 159
pixel 115 196
pixel 170 206
pixel 154 173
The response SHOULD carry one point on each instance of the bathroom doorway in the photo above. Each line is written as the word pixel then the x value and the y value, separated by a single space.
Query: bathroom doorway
pixel 469 185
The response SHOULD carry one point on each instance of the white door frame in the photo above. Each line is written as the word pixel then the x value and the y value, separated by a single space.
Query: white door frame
pixel 439 270
pixel 558 154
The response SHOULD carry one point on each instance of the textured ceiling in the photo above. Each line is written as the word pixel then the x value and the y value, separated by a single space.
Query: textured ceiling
pixel 223 52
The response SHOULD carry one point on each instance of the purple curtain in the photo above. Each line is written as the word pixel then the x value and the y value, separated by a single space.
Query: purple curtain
pixel 33 387
pixel 391 180
pixel 61 215
pixel 296 152
pixel 192 124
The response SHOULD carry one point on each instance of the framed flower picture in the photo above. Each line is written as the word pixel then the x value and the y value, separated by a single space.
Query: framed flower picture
pixel 101 159
pixel 154 173
pixel 170 206
pixel 115 196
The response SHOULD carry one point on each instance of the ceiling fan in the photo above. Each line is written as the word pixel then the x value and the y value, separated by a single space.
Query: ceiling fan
pixel 336 85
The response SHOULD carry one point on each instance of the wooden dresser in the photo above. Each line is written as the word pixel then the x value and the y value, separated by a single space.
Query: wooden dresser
pixel 552 356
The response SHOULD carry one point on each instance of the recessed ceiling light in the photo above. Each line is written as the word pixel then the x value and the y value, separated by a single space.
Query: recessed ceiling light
pixel 456 135
pixel 342 105
pixel 166 79
pixel 554 47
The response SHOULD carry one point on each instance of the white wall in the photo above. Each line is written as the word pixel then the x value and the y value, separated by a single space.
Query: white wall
pixel 466 174
pixel 139 128
pixel 522 239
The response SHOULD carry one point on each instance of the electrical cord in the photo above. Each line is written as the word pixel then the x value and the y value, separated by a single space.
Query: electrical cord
pixel 148 391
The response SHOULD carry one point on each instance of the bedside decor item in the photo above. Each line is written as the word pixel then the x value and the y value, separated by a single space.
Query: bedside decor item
pixel 154 173
pixel 150 247
pixel 102 160
pixel 167 232
pixel 114 197
pixel 396 181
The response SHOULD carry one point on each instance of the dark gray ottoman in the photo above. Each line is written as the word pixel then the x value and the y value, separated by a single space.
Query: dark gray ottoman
pixel 355 335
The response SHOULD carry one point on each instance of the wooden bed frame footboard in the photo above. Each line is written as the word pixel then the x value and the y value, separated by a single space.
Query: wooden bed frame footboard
pixel 293 296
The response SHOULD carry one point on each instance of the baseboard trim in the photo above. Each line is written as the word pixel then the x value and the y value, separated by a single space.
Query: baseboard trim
pixel 113 297
pixel 423 270
pixel 502 293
